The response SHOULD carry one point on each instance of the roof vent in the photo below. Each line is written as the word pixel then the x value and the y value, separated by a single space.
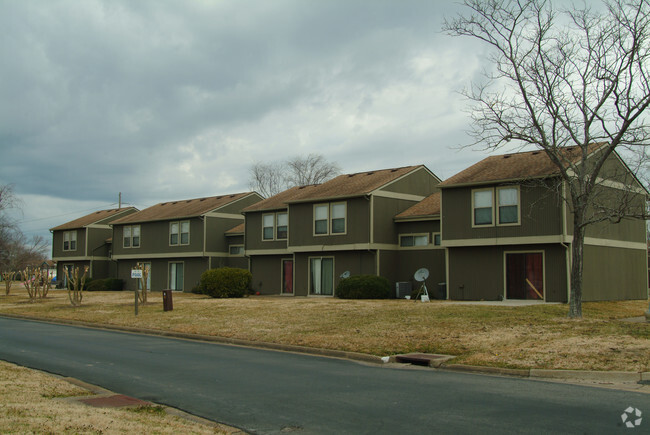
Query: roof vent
pixel 535 153
pixel 164 203
pixel 232 196
pixel 507 156
pixel 351 175
pixel 369 173
pixel 202 199
pixel 189 200
pixel 175 202
pixel 394 170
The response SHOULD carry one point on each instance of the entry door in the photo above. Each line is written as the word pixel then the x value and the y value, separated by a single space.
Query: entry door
pixel 525 276
pixel 322 276
pixel 287 276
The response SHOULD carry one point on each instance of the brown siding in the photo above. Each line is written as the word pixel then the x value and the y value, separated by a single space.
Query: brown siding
pixel 97 246
pixel 385 210
pixel 154 239
pixel 614 274
pixel 254 233
pixel 477 273
pixel 410 261
pixel 301 223
pixel 216 227
pixel 356 262
pixel 57 244
pixel 540 214
pixel 192 270
pixel 267 273
pixel 238 206
pixel 419 182
pixel 432 226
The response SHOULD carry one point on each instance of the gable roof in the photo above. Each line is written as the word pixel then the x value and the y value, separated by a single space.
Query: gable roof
pixel 343 186
pixel 185 208
pixel 236 231
pixel 515 166
pixel 92 218
pixel 428 207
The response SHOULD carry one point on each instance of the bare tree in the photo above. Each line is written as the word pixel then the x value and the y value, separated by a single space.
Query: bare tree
pixel 564 81
pixel 272 178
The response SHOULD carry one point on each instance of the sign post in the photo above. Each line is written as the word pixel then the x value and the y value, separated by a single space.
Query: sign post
pixel 136 274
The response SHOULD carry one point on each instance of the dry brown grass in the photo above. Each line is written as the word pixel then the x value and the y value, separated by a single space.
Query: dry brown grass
pixel 34 402
pixel 520 337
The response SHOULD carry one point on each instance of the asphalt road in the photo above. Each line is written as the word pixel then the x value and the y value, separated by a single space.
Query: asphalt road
pixel 274 392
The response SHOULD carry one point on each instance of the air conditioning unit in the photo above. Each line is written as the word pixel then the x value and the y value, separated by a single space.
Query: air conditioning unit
pixel 403 289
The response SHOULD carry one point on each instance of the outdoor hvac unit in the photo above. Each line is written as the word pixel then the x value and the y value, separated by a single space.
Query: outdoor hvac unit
pixel 403 289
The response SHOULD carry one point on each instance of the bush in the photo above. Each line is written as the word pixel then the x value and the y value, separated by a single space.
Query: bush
pixel 225 282
pixel 363 287
pixel 115 284
pixel 102 285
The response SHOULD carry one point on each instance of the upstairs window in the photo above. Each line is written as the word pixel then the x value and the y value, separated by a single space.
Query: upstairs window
pixel 282 220
pixel 131 236
pixel 268 222
pixel 482 204
pixel 69 240
pixel 508 199
pixel 436 239
pixel 330 218
pixel 236 250
pixel 179 233
pixel 414 240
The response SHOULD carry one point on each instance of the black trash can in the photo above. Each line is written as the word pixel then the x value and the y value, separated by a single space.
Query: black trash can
pixel 442 290
pixel 168 304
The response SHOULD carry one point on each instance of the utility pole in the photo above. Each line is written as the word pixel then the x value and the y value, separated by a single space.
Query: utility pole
pixel 119 201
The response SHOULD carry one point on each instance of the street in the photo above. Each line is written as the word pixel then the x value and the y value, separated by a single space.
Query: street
pixel 264 391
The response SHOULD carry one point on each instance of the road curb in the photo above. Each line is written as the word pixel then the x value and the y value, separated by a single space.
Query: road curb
pixel 581 375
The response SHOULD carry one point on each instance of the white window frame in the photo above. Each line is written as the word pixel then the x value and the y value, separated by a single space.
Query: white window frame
pixel 491 224
pixel 272 227
pixel 71 237
pixel 277 225
pixel 130 237
pixel 498 206
pixel 169 273
pixel 230 248
pixel 310 290
pixel 179 234
pixel 414 236
pixel 330 213
pixel 433 239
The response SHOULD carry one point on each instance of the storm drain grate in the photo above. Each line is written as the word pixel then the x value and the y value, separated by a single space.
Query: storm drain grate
pixel 115 401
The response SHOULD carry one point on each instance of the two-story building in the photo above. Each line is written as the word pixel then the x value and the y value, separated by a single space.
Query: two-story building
pixel 508 232
pixel 86 241
pixel 179 240
pixel 302 240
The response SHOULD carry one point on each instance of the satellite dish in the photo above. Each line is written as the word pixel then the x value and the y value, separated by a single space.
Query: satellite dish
pixel 345 274
pixel 421 274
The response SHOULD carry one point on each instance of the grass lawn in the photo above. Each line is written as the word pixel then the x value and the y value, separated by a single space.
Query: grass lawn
pixel 34 402
pixel 537 336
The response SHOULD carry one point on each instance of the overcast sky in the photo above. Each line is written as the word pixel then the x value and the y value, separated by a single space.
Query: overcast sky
pixel 167 100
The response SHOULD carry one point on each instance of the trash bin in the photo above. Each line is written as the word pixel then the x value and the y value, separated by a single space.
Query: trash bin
pixel 442 290
pixel 168 303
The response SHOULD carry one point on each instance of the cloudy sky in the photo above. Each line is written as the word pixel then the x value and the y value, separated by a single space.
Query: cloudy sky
pixel 164 100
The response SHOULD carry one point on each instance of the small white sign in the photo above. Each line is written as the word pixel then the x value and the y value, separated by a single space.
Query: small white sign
pixel 136 273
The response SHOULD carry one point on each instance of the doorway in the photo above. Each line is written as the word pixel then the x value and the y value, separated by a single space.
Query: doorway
pixel 525 275
pixel 287 277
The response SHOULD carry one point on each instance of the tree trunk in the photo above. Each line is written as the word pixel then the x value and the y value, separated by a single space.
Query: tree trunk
pixel 577 250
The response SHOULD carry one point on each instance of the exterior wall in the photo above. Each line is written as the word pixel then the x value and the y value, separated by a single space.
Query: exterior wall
pixel 301 224
pixel 57 244
pixel 97 245
pixel 409 261
pixel 254 232
pixel 192 270
pixel 420 182
pixel 215 229
pixel 540 212
pixel 60 275
pixel 356 262
pixel 385 209
pixel 237 206
pixel 614 274
pixel 267 273
pixel 478 273
pixel 154 239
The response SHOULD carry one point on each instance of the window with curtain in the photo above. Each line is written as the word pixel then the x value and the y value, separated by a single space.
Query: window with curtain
pixel 508 205
pixel 322 276
pixel 414 240
pixel 338 218
pixel 321 219
pixel 482 203
pixel 176 276
pixel 267 226
pixel 282 226
pixel 70 241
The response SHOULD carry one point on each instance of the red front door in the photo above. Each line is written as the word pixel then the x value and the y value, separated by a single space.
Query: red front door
pixel 287 276
pixel 525 276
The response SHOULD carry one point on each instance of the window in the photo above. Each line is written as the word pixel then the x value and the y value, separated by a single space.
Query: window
pixel 330 218
pixel 176 276
pixel 321 218
pixel 179 233
pixel 321 276
pixel 283 225
pixel 69 240
pixel 482 205
pixel 508 199
pixel 436 239
pixel 236 250
pixel 268 222
pixel 414 240
pixel 131 236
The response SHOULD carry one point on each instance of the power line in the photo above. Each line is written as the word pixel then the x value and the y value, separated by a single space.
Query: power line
pixel 66 214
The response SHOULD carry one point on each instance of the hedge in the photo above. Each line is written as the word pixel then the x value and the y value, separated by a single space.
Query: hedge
pixel 363 287
pixel 225 282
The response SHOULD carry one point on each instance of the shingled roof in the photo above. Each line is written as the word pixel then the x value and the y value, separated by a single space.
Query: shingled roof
pixel 236 231
pixel 428 207
pixel 92 218
pixel 516 166
pixel 185 208
pixel 343 186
